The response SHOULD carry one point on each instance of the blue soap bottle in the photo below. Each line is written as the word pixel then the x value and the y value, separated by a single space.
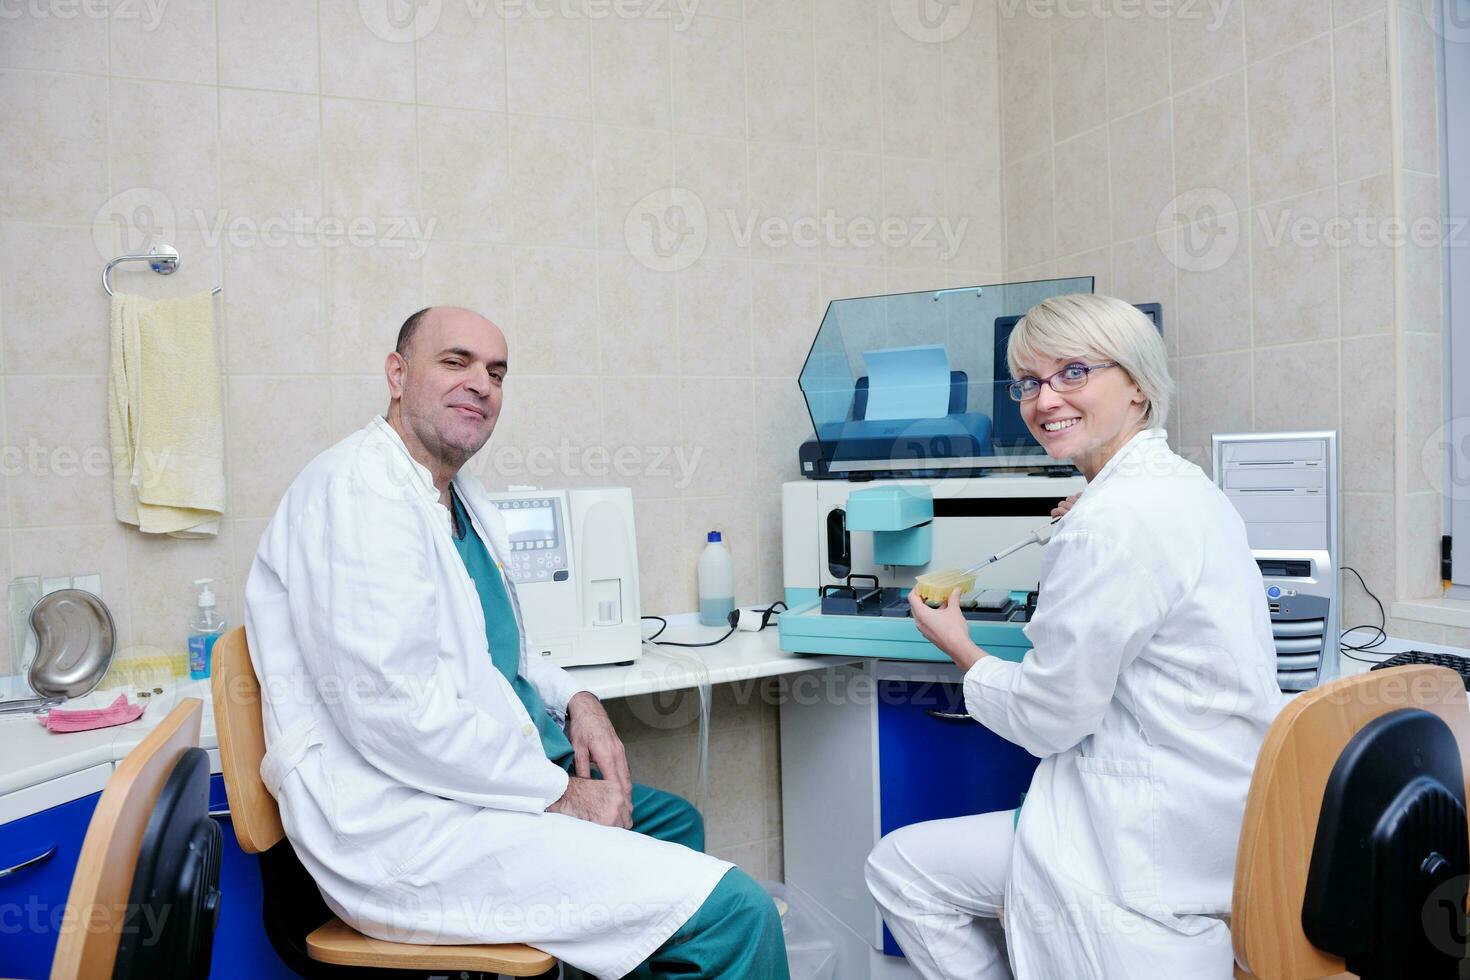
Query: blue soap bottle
pixel 205 626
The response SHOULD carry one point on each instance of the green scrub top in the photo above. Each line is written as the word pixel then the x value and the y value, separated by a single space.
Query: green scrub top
pixel 502 635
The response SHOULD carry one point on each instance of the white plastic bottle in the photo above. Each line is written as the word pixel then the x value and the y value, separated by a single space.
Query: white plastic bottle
pixel 716 583
pixel 205 626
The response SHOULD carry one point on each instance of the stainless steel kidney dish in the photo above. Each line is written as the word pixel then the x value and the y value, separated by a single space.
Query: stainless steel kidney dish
pixel 75 639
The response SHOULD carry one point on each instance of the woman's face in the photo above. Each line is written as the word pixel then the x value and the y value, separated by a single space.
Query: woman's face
pixel 1089 424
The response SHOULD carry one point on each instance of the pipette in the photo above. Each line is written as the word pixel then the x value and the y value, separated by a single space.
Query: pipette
pixel 935 587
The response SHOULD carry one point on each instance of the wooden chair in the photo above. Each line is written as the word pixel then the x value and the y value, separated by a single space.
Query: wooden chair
pixel 257 821
pixel 1282 809
pixel 101 886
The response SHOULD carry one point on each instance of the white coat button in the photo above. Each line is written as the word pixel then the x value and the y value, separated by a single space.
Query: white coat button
pixel 528 729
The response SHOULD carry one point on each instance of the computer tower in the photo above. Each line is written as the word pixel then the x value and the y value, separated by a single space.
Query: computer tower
pixel 1285 487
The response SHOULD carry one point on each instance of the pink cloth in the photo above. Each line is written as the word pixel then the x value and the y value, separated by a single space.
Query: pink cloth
pixel 119 712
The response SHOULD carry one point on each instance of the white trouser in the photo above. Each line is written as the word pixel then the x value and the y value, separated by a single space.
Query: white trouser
pixel 941 886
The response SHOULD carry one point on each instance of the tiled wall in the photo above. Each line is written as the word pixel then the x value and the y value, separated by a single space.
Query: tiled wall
pixel 1236 161
pixel 335 172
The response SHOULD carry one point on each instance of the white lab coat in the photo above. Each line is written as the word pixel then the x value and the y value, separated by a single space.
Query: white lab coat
pixel 411 780
pixel 1147 692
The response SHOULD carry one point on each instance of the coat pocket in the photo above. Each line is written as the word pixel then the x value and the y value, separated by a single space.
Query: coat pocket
pixel 1122 800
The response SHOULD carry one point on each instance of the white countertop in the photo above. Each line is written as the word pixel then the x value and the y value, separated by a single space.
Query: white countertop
pixel 30 755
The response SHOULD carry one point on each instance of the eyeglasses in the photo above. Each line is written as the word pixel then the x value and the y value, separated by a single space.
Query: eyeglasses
pixel 1069 378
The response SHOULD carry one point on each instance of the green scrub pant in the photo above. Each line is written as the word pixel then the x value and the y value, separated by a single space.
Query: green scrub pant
pixel 735 934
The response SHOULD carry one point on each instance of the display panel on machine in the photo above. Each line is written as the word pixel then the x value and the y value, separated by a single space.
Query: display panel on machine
pixel 534 527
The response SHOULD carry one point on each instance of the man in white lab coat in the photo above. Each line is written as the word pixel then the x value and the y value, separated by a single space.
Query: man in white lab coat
pixel 438 785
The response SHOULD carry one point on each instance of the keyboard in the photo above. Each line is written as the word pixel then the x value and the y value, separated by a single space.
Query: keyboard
pixel 1461 665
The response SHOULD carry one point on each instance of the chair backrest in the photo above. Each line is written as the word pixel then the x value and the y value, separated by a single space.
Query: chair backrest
pixel 1285 801
pixel 240 729
pixel 103 880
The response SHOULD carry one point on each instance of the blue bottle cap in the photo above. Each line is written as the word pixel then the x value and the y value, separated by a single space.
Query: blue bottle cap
pixel 713 536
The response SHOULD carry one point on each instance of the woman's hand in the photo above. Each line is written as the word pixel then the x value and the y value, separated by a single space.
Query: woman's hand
pixel 1065 505
pixel 947 628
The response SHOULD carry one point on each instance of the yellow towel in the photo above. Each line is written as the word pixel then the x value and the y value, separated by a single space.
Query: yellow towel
pixel 166 416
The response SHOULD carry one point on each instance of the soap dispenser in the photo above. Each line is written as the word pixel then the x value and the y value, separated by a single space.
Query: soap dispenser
pixel 205 626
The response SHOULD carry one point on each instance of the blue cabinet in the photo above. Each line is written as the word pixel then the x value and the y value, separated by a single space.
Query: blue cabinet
pixel 241 947
pixel 43 847
pixel 936 762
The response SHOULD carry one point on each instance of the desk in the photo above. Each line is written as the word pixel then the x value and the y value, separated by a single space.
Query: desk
pixel 49 784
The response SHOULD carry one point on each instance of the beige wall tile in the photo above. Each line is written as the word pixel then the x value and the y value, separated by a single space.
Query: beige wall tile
pixel 162 598
pixel 847 93
pixel 1082 218
pixel 631 60
pixel 1418 92
pixel 273 308
pixel 1144 272
pixel 769 584
pixel 709 78
pixel 549 65
pixel 1294 270
pixel 367 152
pixel 1424 407
pixel 1097 263
pixel 1142 173
pixel 714 319
pixel 781 425
pixel 1025 87
pixel 1419 548
pixel 276 425
pixel 478 277
pixel 1347 11
pixel 270 157
pixel 461 63
pixel 781 15
pixel 370 292
pixel 356 399
pixel 967 231
pixel 54 43
pixel 971 108
pixel 1214 297
pixel 737 811
pixel 1290 105
pixel 855 20
pixel 1272 26
pixel 716 172
pixel 628 165
pixel 779 86
pixel 551 182
pixel 54 313
pixel 785 310
pixel 636 317
pixel 1283 401
pixel 1210 142
pixel 1367 429
pixel 62 473
pixel 717 420
pixel 550 434
pixel 53 139
pixel 76 550
pixel 785 191
pixel 636 413
pixel 1366 261
pixel 177 44
pixel 1215 398
pixel 556 327
pixel 1367 545
pixel 1028 211
pixel 165 139
pixel 852 191
pixel 1079 69
pixel 913 192
pixel 1421 307
pixel 1138 63
pixel 911 96
pixel 364 61
pixel 1205 41
pixel 664 584
pixel 268 44
pixel 1364 124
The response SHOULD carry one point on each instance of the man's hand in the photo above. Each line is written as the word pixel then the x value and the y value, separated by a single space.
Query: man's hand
pixel 946 628
pixel 1065 505
pixel 595 742
pixel 596 801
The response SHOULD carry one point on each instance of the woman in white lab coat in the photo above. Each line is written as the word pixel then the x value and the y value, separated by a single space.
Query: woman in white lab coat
pixel 1148 689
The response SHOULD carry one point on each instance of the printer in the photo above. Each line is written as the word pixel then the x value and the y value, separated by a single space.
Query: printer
pixel 919 462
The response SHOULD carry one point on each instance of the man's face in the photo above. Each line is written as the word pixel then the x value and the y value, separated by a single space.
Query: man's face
pixel 449 382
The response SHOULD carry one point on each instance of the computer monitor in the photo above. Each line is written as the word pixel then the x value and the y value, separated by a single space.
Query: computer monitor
pixel 1008 430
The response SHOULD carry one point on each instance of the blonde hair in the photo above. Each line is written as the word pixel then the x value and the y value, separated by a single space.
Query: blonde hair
pixel 1085 325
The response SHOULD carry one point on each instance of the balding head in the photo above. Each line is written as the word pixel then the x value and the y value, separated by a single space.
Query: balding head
pixel 445 379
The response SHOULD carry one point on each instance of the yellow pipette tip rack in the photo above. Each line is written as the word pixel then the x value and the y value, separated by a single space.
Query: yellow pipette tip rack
pixel 935 587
